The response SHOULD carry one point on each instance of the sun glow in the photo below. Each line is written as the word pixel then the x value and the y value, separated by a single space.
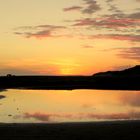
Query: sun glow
pixel 67 66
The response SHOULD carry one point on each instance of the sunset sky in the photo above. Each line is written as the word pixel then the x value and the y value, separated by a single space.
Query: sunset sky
pixel 68 37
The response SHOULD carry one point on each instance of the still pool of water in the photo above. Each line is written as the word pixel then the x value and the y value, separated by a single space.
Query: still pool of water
pixel 48 106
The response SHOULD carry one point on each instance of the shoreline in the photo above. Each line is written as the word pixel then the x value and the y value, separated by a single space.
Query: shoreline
pixel 72 131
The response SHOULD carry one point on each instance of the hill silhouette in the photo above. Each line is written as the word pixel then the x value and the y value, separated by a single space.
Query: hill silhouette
pixel 128 79
pixel 134 71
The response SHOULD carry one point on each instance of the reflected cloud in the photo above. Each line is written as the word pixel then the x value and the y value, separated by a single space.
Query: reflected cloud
pixel 87 106
pixel 46 117
pixel 2 97
pixel 51 117
pixel 131 99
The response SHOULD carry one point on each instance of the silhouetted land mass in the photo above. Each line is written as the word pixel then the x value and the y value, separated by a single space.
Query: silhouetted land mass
pixel 128 79
pixel 119 130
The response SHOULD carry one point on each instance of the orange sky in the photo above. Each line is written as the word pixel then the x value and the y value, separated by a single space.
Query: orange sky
pixel 68 37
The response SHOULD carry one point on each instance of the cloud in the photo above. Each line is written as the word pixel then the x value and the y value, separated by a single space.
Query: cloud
pixel 109 0
pixel 72 8
pixel 39 34
pixel 126 53
pixel 88 7
pixel 48 117
pixel 134 16
pixel 40 31
pixel 51 117
pixel 91 6
pixel 87 46
pixel 129 53
pixel 2 96
pixel 84 22
pixel 122 37
pixel 107 23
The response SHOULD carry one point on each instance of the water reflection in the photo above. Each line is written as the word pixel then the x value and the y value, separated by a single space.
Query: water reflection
pixel 68 106
pixel 1 89
pixel 2 96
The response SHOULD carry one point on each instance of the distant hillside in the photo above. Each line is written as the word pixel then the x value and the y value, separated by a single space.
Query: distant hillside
pixel 134 71
pixel 128 79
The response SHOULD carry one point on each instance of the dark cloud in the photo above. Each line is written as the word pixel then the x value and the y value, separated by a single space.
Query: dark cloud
pixel 40 31
pixel 88 7
pixel 130 53
pixel 2 97
pixel 50 117
pixel 72 8
pixel 114 9
pixel 91 6
pixel 134 16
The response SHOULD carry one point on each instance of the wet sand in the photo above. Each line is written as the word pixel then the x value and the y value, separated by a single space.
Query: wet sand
pixel 120 130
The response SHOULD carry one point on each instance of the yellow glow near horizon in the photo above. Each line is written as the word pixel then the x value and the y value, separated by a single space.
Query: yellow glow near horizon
pixel 62 38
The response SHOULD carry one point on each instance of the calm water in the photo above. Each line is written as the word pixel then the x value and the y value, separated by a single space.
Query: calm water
pixel 68 106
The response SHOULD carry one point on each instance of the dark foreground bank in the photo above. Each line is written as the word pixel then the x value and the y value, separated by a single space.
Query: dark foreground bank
pixel 121 130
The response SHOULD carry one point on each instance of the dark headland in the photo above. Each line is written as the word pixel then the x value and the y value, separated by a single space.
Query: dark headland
pixel 128 79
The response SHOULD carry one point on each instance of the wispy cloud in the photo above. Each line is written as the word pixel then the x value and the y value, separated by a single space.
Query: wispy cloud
pixel 40 31
pixel 108 23
pixel 72 8
pixel 88 7
pixel 117 24
pixel 87 46
pixel 122 37
pixel 129 53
